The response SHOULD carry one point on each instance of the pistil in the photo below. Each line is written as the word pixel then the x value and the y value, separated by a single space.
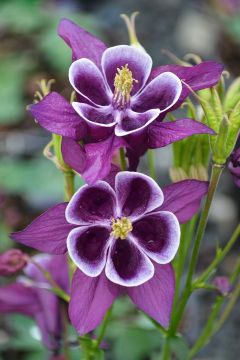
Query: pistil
pixel 121 228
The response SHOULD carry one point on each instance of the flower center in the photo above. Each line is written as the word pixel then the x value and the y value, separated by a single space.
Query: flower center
pixel 121 228
pixel 123 84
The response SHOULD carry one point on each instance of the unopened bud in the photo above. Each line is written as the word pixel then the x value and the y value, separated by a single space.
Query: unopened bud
pixel 222 284
pixel 12 261
pixel 130 23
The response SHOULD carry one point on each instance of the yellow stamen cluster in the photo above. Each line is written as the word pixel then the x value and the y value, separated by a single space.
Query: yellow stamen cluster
pixel 121 228
pixel 123 83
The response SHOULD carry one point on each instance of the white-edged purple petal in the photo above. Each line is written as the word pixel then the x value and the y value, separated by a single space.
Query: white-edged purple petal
pixel 155 297
pixel 138 61
pixel 56 114
pixel 90 299
pixel 127 265
pixel 165 133
pixel 87 247
pixel 200 76
pixel 95 116
pixel 183 198
pixel 88 81
pixel 82 43
pixel 162 93
pixel 137 194
pixel 133 122
pixel 48 232
pixel 158 234
pixel 93 204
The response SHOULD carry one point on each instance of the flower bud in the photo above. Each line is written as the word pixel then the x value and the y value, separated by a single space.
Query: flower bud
pixel 11 262
pixel 234 166
pixel 222 284
pixel 130 23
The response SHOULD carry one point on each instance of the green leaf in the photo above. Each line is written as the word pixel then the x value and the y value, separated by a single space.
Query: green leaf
pixel 13 70
pixel 36 179
pixel 136 344
pixel 21 16
pixel 179 347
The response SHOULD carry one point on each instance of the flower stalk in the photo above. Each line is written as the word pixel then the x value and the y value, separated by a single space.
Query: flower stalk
pixel 216 173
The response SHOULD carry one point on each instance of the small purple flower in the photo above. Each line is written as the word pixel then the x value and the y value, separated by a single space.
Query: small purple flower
pixel 234 166
pixel 121 102
pixel 122 240
pixel 31 296
pixel 222 284
pixel 12 261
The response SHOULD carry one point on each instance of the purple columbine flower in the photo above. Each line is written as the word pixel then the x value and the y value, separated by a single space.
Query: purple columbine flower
pixel 234 166
pixel 31 296
pixel 122 240
pixel 121 102
pixel 12 261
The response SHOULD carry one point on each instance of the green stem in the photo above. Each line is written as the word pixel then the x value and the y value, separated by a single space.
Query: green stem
pixel 216 173
pixel 64 318
pixel 229 307
pixel 68 185
pixel 189 235
pixel 165 351
pixel 123 161
pixel 236 272
pixel 220 256
pixel 180 263
pixel 207 331
pixel 55 288
pixel 151 164
pixel 104 326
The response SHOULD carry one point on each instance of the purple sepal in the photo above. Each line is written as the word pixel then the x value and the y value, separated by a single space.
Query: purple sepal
pixel 155 297
pixel 162 134
pixel 183 198
pixel 90 299
pixel 73 154
pixel 48 232
pixel 56 114
pixel 82 43
pixel 33 300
